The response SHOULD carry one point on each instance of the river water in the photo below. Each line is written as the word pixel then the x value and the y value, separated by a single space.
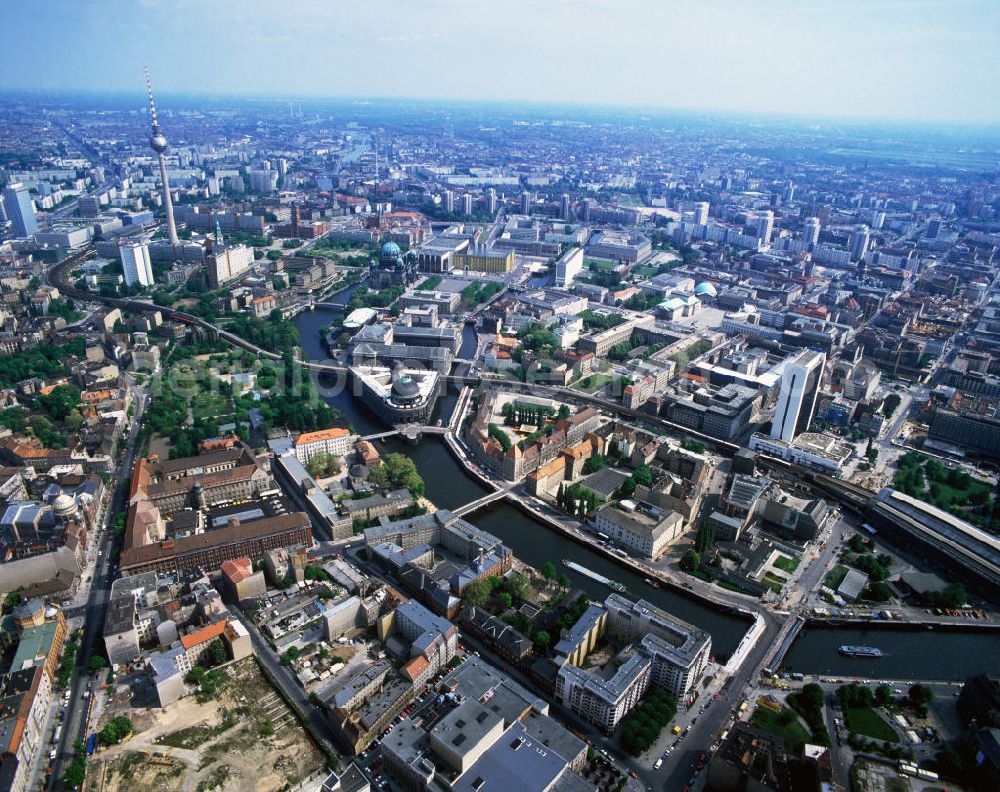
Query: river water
pixel 909 654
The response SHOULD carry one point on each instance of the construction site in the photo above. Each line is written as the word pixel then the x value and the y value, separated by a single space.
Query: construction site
pixel 244 737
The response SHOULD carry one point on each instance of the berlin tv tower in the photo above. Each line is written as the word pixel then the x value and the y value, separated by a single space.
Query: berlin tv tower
pixel 159 144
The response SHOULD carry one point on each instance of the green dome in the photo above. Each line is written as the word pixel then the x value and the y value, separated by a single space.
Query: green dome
pixel 390 251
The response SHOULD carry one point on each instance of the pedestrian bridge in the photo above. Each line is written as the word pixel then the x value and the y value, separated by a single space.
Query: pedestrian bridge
pixel 409 432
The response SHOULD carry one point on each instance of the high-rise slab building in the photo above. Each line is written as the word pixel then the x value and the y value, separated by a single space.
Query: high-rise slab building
pixel 858 242
pixel 20 210
pixel 136 263
pixel 765 227
pixel 800 383
pixel 811 235
pixel 701 213
pixel 564 207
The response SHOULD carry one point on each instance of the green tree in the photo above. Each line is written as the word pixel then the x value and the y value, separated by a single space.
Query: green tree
pixel 542 638
pixel 564 581
pixel 643 476
pixel 813 695
pixel 505 599
pixel 215 654
pixel 116 730
pixel 883 695
pixel 920 695
pixel 594 463
pixel 60 401
pixel 323 465
pixel 97 662
pixel 690 561
pixel 548 570
pixel 477 593
pixel 519 584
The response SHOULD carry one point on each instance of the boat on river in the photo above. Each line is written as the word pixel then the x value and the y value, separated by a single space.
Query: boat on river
pixel 614 585
pixel 860 651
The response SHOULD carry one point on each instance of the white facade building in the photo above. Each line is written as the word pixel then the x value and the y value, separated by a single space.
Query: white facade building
pixel 800 383
pixel 136 263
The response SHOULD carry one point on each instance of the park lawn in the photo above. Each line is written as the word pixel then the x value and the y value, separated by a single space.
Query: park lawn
pixel 209 405
pixel 601 264
pixel 646 272
pixel 835 576
pixel 597 381
pixel 793 732
pixel 961 496
pixel 868 723
pixel 786 564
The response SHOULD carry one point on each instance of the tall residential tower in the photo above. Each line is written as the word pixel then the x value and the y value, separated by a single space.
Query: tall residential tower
pixel 158 143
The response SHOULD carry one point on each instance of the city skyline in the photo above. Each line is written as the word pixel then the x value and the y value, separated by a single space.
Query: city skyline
pixel 904 61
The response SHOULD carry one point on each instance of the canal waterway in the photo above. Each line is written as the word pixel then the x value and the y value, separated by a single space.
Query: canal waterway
pixel 909 654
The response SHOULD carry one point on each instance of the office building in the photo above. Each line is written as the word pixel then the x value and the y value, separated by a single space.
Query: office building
pixel 564 207
pixel 335 441
pixel 569 265
pixel 20 209
pixel 467 204
pixel 679 651
pixel 526 200
pixel 479 258
pixel 136 263
pixel 605 699
pixel 640 528
pixel 800 383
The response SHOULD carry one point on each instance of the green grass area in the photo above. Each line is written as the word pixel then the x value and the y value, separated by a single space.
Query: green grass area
pixel 432 282
pixel 592 382
pixel 645 272
pixel 786 564
pixel 784 723
pixel 210 405
pixel 601 264
pixel 193 736
pixel 773 582
pixel 868 723
pixel 835 576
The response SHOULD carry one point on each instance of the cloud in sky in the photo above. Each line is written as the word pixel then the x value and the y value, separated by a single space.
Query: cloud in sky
pixel 936 60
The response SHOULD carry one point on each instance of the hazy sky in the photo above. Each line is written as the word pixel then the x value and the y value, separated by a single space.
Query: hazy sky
pixel 935 60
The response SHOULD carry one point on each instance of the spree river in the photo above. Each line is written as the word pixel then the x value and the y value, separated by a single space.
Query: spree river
pixel 908 654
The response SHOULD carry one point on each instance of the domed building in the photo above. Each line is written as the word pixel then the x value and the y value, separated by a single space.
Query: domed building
pixel 64 507
pixel 706 291
pixel 393 268
pixel 401 397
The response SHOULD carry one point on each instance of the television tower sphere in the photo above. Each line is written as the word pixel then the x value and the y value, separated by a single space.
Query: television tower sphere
pixel 158 143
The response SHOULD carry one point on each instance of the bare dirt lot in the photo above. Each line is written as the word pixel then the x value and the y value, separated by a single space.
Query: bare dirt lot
pixel 244 739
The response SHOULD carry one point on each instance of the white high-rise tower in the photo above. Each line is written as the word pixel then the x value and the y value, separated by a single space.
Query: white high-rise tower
pixel 158 143
pixel 800 383
pixel 136 263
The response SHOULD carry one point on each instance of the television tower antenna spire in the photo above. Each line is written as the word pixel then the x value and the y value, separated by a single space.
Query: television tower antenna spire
pixel 158 143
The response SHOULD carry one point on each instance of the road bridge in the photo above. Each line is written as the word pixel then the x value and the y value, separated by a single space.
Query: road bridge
pixel 478 503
